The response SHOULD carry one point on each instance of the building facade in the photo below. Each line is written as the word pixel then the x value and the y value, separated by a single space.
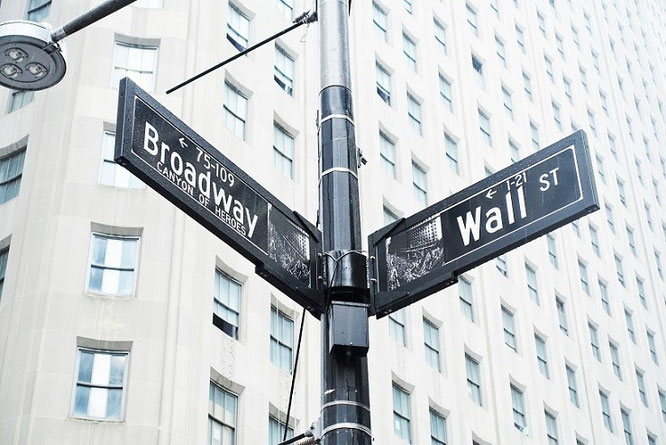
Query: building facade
pixel 124 321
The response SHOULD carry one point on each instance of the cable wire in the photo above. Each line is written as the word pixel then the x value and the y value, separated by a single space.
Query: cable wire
pixel 293 376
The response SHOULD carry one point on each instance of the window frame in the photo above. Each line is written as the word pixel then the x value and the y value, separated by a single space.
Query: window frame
pixel 135 270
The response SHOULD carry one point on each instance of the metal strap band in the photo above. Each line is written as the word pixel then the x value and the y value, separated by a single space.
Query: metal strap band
pixel 336 116
pixel 338 169
pixel 345 402
pixel 346 425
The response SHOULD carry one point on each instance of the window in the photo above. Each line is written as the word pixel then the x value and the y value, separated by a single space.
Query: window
pixel 560 44
pixel 431 340
pixel 657 259
pixel 641 387
pixel 101 378
pixel 276 431
pixel 567 89
pixel 138 62
pixel 639 170
pixel 626 425
pixel 401 414
pixel 238 28
pixel 609 217
pixel 562 315
pixel 518 406
pixel 4 254
pixel 284 70
pixel 652 440
pixel 527 85
pixel 630 325
pixel 38 10
pixel 583 77
pixel 283 150
pixel 438 434
pixel 409 50
pixel 615 360
pixel 542 355
pixel 287 8
pixel 520 39
pixel 440 35
pixel 501 51
pixel 604 103
pixel 414 113
pixel 594 240
pixel 387 154
pixel 419 183
pixel 472 20
pixel 110 173
pixel 478 69
pixel 605 411
pixel 509 326
pixel 397 324
pixel 600 162
pixel 532 288
pixel 508 103
pixel 542 24
pixel 534 131
pixel 19 99
pixel 383 84
pixel 611 145
pixel 222 406
pixel 584 282
pixel 551 429
pixel 484 127
pixel 549 68
pixel 641 291
pixel 389 216
pixel 662 403
pixel 605 302
pixel 113 262
pixel 235 110
pixel 552 250
pixel 495 7
pixel 653 347
pixel 11 171
pixel 226 303
pixel 282 339
pixel 408 6
pixel 576 228
pixel 514 150
pixel 451 149
pixel 594 341
pixel 466 298
pixel 620 270
pixel 573 387
pixel 473 379
pixel 621 192
pixel 557 116
pixel 445 93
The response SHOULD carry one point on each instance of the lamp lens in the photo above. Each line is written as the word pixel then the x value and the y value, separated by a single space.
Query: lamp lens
pixel 17 54
pixel 10 71
pixel 37 70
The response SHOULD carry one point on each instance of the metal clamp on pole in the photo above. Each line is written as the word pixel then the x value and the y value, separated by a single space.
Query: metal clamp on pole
pixel 88 18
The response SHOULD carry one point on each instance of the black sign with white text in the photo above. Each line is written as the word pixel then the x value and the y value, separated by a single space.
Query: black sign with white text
pixel 180 165
pixel 417 256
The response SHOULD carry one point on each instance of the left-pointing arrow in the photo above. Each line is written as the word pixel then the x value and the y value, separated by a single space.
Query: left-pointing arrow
pixel 490 194
pixel 182 143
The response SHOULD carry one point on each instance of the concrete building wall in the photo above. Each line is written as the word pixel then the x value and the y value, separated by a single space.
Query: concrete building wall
pixel 46 311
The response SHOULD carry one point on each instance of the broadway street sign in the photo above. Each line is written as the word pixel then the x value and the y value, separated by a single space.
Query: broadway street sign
pixel 414 257
pixel 180 165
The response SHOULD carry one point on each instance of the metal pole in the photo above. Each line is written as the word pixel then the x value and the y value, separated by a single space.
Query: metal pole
pixel 88 18
pixel 345 413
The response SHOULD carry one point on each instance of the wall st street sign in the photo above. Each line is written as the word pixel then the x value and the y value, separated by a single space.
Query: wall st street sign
pixel 188 171
pixel 414 257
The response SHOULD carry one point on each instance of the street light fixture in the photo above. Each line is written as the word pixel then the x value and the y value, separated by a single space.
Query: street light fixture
pixel 31 57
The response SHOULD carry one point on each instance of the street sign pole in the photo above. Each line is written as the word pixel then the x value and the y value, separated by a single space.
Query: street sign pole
pixel 345 412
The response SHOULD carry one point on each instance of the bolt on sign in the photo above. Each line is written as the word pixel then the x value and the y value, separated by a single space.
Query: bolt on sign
pixel 414 257
pixel 188 171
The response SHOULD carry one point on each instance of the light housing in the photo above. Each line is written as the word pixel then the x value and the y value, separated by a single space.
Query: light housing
pixel 29 59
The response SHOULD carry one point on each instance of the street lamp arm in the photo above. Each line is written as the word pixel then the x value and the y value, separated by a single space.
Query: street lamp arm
pixel 88 18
